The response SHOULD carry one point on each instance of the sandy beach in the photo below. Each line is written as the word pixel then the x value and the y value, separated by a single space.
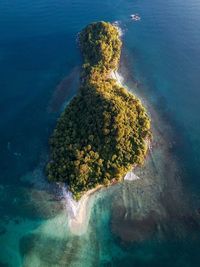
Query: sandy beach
pixel 79 212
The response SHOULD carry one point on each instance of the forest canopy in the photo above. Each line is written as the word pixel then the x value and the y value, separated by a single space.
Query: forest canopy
pixel 103 131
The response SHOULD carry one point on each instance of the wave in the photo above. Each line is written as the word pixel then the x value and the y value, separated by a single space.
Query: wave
pixel 117 25
pixel 70 204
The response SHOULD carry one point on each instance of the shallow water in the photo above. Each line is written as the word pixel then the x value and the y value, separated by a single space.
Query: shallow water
pixel 153 221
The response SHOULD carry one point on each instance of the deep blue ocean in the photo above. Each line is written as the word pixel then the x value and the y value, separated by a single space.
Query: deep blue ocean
pixel 153 222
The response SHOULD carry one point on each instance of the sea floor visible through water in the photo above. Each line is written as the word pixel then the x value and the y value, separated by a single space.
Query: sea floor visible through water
pixel 118 218
pixel 152 221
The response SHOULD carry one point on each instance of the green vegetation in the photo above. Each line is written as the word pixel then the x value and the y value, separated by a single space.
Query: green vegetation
pixel 103 131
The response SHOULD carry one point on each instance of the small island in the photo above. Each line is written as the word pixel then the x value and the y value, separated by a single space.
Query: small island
pixel 103 132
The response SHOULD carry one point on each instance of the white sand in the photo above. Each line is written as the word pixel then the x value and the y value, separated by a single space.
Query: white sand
pixel 130 176
pixel 78 212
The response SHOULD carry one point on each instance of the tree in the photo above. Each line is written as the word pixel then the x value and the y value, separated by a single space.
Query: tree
pixel 102 132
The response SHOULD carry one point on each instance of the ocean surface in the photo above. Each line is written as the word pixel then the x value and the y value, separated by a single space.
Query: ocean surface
pixel 154 221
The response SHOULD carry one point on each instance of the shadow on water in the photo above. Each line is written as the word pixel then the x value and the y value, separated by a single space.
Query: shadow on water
pixel 65 90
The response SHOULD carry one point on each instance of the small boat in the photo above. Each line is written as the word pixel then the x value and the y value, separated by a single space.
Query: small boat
pixel 135 17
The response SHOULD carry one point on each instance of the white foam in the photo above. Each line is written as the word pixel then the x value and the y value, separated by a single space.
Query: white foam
pixel 116 24
pixel 70 204
pixel 119 78
pixel 78 212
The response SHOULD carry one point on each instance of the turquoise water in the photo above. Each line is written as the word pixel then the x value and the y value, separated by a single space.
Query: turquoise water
pixel 154 221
